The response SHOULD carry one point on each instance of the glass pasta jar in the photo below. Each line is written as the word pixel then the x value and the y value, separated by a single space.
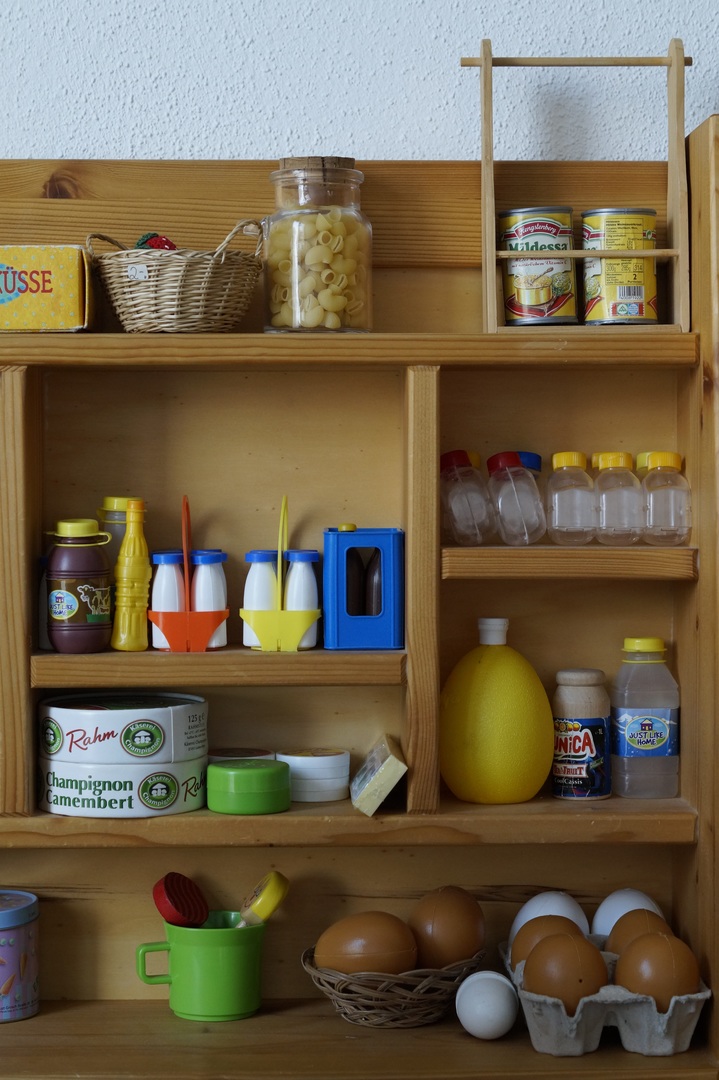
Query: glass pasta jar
pixel 318 248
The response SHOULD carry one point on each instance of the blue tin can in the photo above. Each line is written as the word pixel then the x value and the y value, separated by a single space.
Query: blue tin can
pixel 19 949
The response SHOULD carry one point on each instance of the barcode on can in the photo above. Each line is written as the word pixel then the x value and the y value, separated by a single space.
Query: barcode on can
pixel 630 292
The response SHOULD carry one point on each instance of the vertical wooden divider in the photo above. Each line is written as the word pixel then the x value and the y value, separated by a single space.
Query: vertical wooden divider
pixel 489 239
pixel 421 739
pixel 677 188
pixel 16 740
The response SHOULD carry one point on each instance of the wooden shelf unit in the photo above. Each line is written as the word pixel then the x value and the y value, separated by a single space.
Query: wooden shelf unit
pixel 361 423
pixel 673 241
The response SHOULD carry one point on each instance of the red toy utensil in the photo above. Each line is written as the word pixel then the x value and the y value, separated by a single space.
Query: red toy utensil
pixel 180 901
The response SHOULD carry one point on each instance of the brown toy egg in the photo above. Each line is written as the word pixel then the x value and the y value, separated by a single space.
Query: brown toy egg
pixel 448 925
pixel 659 965
pixel 367 941
pixel 632 925
pixel 565 966
pixel 533 931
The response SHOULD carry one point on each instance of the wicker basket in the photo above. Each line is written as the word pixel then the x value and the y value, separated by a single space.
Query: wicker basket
pixel 180 291
pixel 412 999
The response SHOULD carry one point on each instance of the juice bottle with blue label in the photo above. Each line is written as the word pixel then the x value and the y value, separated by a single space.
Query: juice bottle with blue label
pixel 645 723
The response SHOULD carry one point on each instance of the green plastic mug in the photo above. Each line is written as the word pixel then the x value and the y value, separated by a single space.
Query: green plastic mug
pixel 214 970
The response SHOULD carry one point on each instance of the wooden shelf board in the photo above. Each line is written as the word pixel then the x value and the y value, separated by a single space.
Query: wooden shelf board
pixel 568 347
pixel 232 666
pixel 299 1040
pixel 552 561
pixel 544 820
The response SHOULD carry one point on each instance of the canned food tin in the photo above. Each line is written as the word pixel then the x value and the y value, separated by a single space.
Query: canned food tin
pixel 620 290
pixel 581 765
pixel 19 949
pixel 538 290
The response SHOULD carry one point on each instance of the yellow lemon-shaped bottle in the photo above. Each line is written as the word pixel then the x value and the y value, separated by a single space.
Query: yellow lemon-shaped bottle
pixel 496 734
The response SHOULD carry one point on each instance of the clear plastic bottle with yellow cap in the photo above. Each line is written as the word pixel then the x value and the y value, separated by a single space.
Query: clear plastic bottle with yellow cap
pixel 644 698
pixel 620 501
pixel 571 507
pixel 668 501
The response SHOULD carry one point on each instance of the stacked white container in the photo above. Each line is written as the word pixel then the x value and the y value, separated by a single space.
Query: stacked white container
pixel 318 774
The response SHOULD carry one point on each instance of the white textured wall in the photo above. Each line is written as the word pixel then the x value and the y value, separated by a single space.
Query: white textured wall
pixel 369 78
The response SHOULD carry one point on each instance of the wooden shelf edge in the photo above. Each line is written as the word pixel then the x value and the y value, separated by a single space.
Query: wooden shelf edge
pixel 232 666
pixel 130 1040
pixel 577 346
pixel 542 821
pixel 548 561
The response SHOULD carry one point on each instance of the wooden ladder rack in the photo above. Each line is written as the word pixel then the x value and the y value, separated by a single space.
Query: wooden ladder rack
pixel 677 250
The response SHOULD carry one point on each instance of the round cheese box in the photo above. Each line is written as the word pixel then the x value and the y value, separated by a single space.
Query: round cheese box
pixel 127 790
pixel 113 728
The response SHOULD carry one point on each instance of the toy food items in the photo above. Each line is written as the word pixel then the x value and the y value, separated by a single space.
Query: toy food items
pixel 179 900
pixel 632 925
pixel 534 930
pixel 367 941
pixel 659 965
pixel 448 925
pixel 487 1005
pixel 565 966
pixel 491 691
pixel 550 903
pixel 617 904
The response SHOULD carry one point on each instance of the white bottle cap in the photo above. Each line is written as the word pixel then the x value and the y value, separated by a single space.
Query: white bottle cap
pixel 493 631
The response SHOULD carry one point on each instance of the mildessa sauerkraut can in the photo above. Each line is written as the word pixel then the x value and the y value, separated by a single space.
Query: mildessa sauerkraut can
pixel 542 289
pixel 620 290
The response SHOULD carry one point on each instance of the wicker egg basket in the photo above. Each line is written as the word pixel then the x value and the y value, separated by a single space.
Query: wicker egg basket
pixel 411 999
pixel 181 291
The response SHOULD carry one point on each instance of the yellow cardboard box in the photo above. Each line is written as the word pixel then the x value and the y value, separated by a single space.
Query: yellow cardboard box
pixel 44 287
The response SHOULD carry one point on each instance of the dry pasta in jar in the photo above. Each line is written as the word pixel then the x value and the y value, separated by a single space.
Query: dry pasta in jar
pixel 318 248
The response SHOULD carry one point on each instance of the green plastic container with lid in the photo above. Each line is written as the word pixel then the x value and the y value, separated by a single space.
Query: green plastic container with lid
pixel 248 786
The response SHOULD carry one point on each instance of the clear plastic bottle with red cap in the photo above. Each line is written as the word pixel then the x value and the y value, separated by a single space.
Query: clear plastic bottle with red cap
pixel 518 505
pixel 467 511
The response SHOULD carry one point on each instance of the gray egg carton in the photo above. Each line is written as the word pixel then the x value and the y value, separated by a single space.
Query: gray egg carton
pixel 642 1029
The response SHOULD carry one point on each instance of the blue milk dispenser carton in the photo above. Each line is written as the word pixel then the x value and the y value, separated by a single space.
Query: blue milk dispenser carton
pixel 363 587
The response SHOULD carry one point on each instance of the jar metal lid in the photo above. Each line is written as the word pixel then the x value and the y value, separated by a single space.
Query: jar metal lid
pixel 318 168
pixel 17 908
pixel 581 677
pixel 317 163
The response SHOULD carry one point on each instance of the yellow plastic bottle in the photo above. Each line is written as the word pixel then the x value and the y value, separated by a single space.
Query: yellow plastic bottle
pixel 496 733
pixel 132 584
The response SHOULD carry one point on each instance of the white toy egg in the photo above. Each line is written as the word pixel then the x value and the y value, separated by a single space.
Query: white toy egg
pixel 618 903
pixel 550 903
pixel 487 1005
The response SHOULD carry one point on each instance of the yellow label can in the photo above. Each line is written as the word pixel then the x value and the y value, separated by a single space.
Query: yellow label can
pixel 539 289
pixel 620 290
